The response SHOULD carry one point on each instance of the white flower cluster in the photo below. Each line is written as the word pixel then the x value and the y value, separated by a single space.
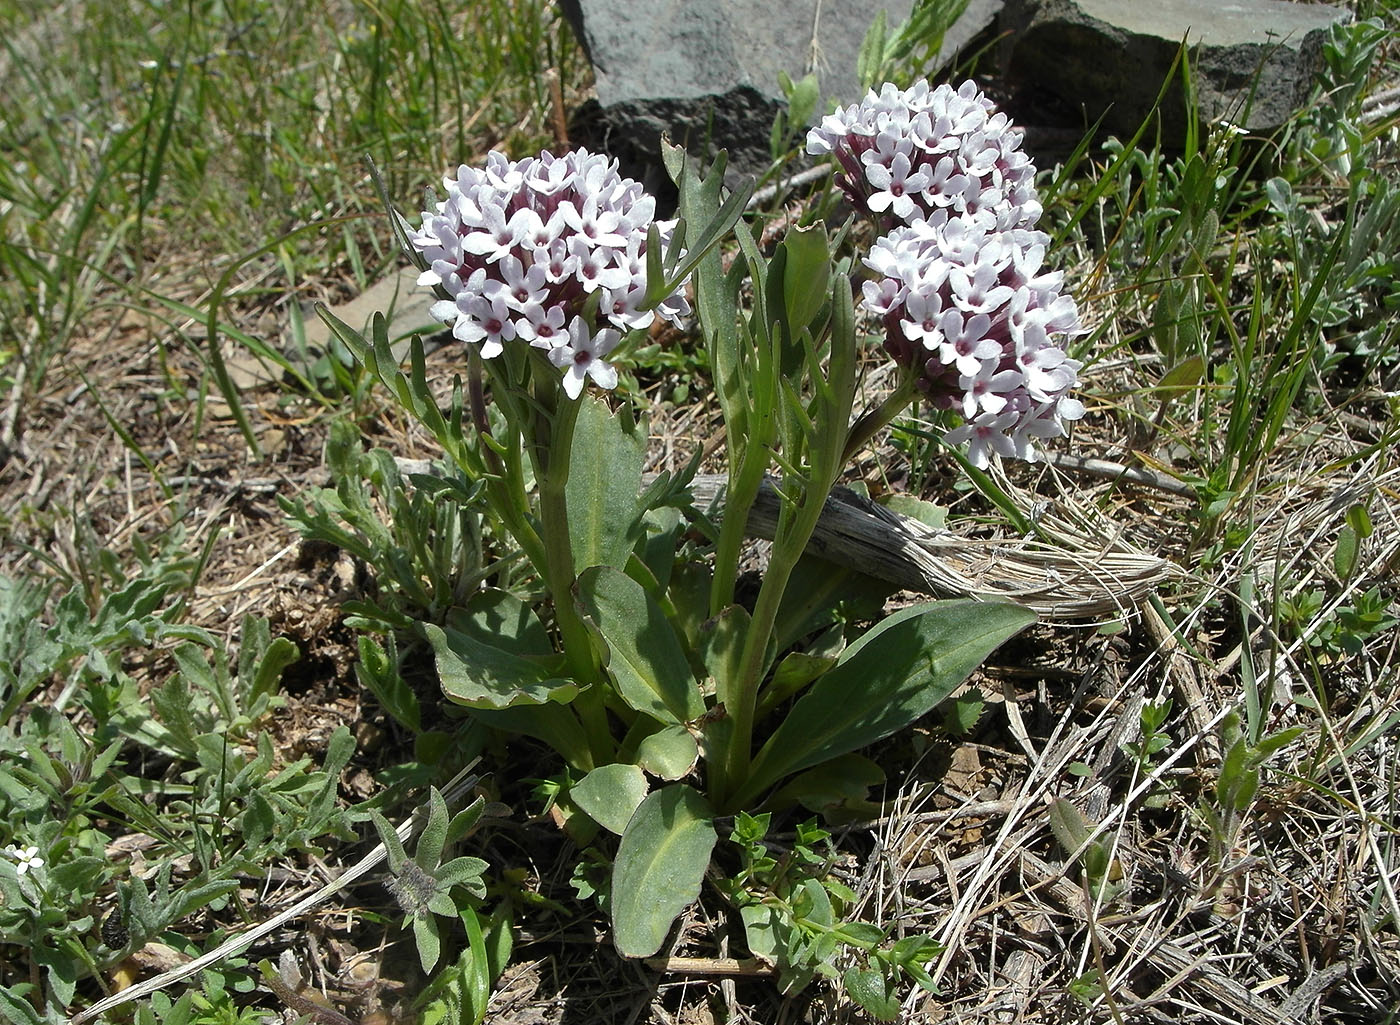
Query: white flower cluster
pixel 925 154
pixel 961 291
pixel 521 246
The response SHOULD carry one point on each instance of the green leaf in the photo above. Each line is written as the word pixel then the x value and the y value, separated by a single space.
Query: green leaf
pixel 891 677
pixel 765 931
pixel 14 1006
pixel 610 794
pixel 465 872
pixel 806 273
pixel 1345 555
pixel 963 712
pixel 604 485
pixel 258 820
pixel 912 950
pixel 660 864
pixel 861 934
pixel 645 656
pixel 377 672
pixel 795 671
pixel 815 591
pixel 838 789
pixel 1068 825
pixel 1182 378
pixel 930 514
pixel 871 57
pixel 722 644
pixel 434 835
pixel 425 934
pixel 873 992
pixel 483 675
pixel 670 752
pixel 499 618
pixel 479 973
pixel 1359 517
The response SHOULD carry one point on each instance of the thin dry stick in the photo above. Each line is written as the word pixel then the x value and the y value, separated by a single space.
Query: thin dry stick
pixel 458 785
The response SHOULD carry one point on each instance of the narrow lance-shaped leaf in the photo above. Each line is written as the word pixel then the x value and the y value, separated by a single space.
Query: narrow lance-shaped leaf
pixel 888 679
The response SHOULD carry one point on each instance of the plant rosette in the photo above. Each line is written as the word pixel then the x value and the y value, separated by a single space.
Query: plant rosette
pixel 671 702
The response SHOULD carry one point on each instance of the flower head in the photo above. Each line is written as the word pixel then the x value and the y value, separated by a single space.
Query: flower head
pixel 957 281
pixel 965 309
pixel 28 858
pixel 520 246
pixel 931 153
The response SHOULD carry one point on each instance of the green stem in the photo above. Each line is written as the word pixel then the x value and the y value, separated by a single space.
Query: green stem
pixel 741 695
pixel 875 420
pixel 738 500
pixel 552 440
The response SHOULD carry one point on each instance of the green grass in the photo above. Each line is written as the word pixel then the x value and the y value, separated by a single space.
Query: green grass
pixel 202 166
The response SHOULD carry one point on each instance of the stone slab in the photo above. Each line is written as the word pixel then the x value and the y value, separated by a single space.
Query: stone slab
pixel 1254 61
pixel 706 71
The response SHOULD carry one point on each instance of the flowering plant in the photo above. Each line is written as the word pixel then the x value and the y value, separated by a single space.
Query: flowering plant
pixel 673 703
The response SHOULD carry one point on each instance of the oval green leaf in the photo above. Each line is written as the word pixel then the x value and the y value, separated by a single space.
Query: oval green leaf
pixel 610 794
pixel 482 675
pixel 660 864
pixel 670 753
pixel 645 656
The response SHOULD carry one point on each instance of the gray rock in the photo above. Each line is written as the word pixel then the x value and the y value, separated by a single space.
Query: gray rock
pixel 707 70
pixel 1253 60
pixel 975 19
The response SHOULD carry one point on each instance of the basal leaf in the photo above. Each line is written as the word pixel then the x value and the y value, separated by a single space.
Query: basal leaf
pixel 888 679
pixel 483 675
pixel 610 794
pixel 645 656
pixel 660 864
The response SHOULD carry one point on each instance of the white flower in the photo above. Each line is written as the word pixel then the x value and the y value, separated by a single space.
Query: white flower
pixel 583 357
pixel 28 858
pixel 896 183
pixel 519 249
pixel 541 327
pixel 486 319
pixel 985 434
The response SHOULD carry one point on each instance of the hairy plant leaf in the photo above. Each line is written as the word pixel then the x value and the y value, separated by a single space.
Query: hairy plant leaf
pixel 872 991
pixel 660 864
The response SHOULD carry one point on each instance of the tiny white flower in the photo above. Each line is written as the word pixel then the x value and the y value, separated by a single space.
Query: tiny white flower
pixel 28 858
pixel 541 327
pixel 583 356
